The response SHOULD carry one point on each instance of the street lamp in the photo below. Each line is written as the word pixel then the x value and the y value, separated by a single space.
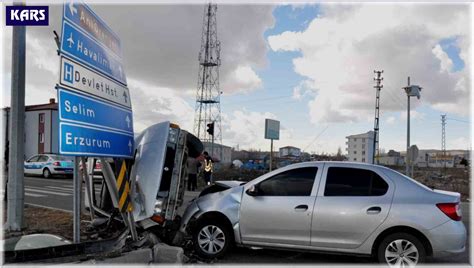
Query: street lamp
pixel 411 91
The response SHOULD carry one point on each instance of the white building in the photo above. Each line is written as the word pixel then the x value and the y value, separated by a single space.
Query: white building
pixel 41 128
pixel 360 147
pixel 226 152
pixel 289 151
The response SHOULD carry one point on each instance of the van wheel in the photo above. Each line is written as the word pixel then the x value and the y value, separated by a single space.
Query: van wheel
pixel 400 250
pixel 211 239
pixel 46 173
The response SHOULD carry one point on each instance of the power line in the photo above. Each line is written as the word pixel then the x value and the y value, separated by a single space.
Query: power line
pixel 317 136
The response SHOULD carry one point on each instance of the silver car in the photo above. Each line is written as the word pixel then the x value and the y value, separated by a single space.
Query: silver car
pixel 342 207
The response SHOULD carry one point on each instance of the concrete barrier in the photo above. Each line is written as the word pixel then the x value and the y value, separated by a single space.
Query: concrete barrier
pixel 163 253
pixel 140 256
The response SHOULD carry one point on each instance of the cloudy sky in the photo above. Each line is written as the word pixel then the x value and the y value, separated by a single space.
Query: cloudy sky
pixel 309 66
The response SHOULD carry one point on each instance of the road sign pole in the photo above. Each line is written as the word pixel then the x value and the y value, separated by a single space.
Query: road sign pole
pixel 271 154
pixel 77 202
pixel 17 132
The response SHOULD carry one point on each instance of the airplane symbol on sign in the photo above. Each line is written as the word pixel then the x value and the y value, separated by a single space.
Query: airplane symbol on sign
pixel 70 40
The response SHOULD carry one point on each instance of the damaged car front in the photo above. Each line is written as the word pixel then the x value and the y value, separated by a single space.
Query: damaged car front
pixel 212 219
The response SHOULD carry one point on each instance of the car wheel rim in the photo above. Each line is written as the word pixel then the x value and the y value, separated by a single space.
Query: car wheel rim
pixel 211 239
pixel 46 173
pixel 401 253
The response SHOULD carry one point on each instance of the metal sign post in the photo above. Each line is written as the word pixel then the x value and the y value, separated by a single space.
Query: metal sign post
pixel 272 132
pixel 271 154
pixel 77 190
pixel 95 113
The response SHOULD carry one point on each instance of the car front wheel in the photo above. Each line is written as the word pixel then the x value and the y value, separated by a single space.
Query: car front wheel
pixel 401 250
pixel 211 239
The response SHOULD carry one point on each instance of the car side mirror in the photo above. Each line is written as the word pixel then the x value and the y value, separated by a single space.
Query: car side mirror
pixel 252 191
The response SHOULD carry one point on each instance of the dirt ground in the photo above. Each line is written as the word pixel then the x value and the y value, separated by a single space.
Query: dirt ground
pixel 43 220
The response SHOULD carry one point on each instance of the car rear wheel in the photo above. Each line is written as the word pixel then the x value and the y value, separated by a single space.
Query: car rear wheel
pixel 211 239
pixel 46 173
pixel 401 250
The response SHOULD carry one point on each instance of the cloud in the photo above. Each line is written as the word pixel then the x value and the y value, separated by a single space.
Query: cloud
pixel 161 45
pixel 339 50
pixel 152 104
pixel 303 89
pixel 242 80
pixel 391 120
pixel 446 64
pixel 246 129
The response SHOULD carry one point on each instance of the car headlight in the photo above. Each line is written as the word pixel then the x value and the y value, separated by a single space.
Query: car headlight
pixel 173 135
pixel 158 206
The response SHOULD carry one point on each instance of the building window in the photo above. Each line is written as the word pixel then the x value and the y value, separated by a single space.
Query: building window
pixel 363 140
pixel 41 118
pixel 355 146
pixel 355 159
pixel 363 159
pixel 363 145
pixel 355 152
pixel 355 139
pixel 363 152
pixel 41 137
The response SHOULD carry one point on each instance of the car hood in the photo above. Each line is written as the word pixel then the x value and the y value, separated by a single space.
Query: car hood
pixel 229 184
pixel 148 168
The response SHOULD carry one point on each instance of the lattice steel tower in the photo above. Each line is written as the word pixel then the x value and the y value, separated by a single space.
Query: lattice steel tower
pixel 378 86
pixel 208 108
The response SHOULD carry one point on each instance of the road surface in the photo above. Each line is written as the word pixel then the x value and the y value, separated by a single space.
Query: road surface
pixel 57 193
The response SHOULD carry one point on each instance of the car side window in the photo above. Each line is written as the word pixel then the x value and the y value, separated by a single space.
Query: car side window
pixel 295 182
pixel 33 159
pixel 343 181
pixel 43 158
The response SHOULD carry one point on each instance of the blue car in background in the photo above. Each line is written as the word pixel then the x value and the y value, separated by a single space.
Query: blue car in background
pixel 49 165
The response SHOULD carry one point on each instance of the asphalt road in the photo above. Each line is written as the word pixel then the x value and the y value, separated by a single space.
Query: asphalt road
pixel 57 193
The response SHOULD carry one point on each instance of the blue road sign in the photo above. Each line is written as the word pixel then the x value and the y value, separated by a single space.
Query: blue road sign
pixel 77 108
pixel 89 141
pixel 81 16
pixel 81 47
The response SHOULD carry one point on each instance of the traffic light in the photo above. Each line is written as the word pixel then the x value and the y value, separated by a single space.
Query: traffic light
pixel 210 128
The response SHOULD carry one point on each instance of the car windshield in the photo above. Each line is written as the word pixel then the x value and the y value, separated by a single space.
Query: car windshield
pixel 61 158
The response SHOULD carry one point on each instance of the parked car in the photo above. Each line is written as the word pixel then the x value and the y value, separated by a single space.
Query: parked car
pixel 339 207
pixel 49 165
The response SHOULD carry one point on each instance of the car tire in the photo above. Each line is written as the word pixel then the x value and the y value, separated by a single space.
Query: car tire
pixel 205 238
pixel 46 173
pixel 401 248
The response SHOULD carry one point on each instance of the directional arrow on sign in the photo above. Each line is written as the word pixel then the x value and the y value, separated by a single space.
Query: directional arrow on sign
pixel 127 119
pixel 72 9
pixel 125 97
pixel 130 145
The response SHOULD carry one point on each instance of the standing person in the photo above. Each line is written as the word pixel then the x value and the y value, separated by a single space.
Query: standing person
pixel 207 168
pixel 192 164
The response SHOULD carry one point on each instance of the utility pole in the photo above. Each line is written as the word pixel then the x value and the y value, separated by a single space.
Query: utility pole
pixel 378 86
pixel 443 139
pixel 407 164
pixel 17 131
pixel 411 91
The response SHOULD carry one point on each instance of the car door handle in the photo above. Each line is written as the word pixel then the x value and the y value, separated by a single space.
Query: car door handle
pixel 374 210
pixel 301 208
